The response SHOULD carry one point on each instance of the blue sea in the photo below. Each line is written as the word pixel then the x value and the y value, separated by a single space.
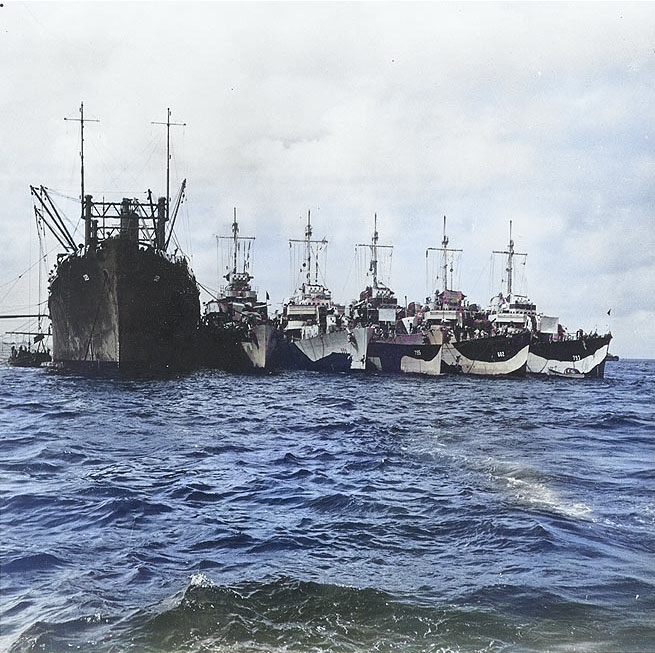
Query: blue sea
pixel 317 512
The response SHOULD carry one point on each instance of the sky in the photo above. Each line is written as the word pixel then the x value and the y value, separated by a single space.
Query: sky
pixel 542 114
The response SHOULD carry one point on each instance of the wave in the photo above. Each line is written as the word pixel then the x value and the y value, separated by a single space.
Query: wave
pixel 333 514
pixel 31 563
pixel 618 421
pixel 539 495
pixel 287 614
pixel 338 403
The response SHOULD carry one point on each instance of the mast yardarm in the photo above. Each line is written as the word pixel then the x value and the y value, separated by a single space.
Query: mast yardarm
pixel 510 253
pixel 444 252
pixel 308 242
pixel 168 124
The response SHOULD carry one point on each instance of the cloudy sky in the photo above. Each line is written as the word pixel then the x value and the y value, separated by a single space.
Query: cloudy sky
pixel 538 113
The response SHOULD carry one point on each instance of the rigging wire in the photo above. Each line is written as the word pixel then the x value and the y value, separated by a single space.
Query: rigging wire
pixel 346 284
pixel 186 222
pixel 73 226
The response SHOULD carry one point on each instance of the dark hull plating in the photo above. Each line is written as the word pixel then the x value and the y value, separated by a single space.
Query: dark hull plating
pixel 586 355
pixel 235 349
pixel 124 308
pixel 492 356
pixel 338 351
pixel 413 353
pixel 294 359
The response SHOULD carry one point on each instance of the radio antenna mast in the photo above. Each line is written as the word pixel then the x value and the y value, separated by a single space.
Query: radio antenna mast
pixel 81 120
pixel 168 124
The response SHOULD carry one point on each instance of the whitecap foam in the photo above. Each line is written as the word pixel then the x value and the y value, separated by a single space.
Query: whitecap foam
pixel 200 580
pixel 539 495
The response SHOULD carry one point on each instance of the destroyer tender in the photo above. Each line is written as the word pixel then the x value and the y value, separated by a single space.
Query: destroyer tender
pixel 120 302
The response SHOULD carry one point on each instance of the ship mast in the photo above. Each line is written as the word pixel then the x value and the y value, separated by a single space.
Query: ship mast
pixel 308 250
pixel 510 253
pixel 444 248
pixel 81 120
pixel 237 280
pixel 373 247
pixel 374 252
pixel 307 242
pixel 444 251
pixel 168 124
pixel 235 235
pixel 510 261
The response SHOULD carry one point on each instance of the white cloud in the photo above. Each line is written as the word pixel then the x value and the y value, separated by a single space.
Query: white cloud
pixel 536 112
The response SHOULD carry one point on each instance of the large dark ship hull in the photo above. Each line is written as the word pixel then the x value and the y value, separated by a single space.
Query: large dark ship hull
pixel 492 356
pixel 585 355
pixel 416 353
pixel 236 349
pixel 124 308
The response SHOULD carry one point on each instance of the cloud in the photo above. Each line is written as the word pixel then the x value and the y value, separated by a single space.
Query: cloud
pixel 536 112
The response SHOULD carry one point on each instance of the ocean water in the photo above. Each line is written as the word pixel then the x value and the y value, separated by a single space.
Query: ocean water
pixel 327 512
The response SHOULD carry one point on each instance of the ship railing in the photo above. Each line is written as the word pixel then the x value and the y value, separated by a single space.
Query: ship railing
pixel 128 218
pixel 572 337
pixel 146 235
pixel 227 290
